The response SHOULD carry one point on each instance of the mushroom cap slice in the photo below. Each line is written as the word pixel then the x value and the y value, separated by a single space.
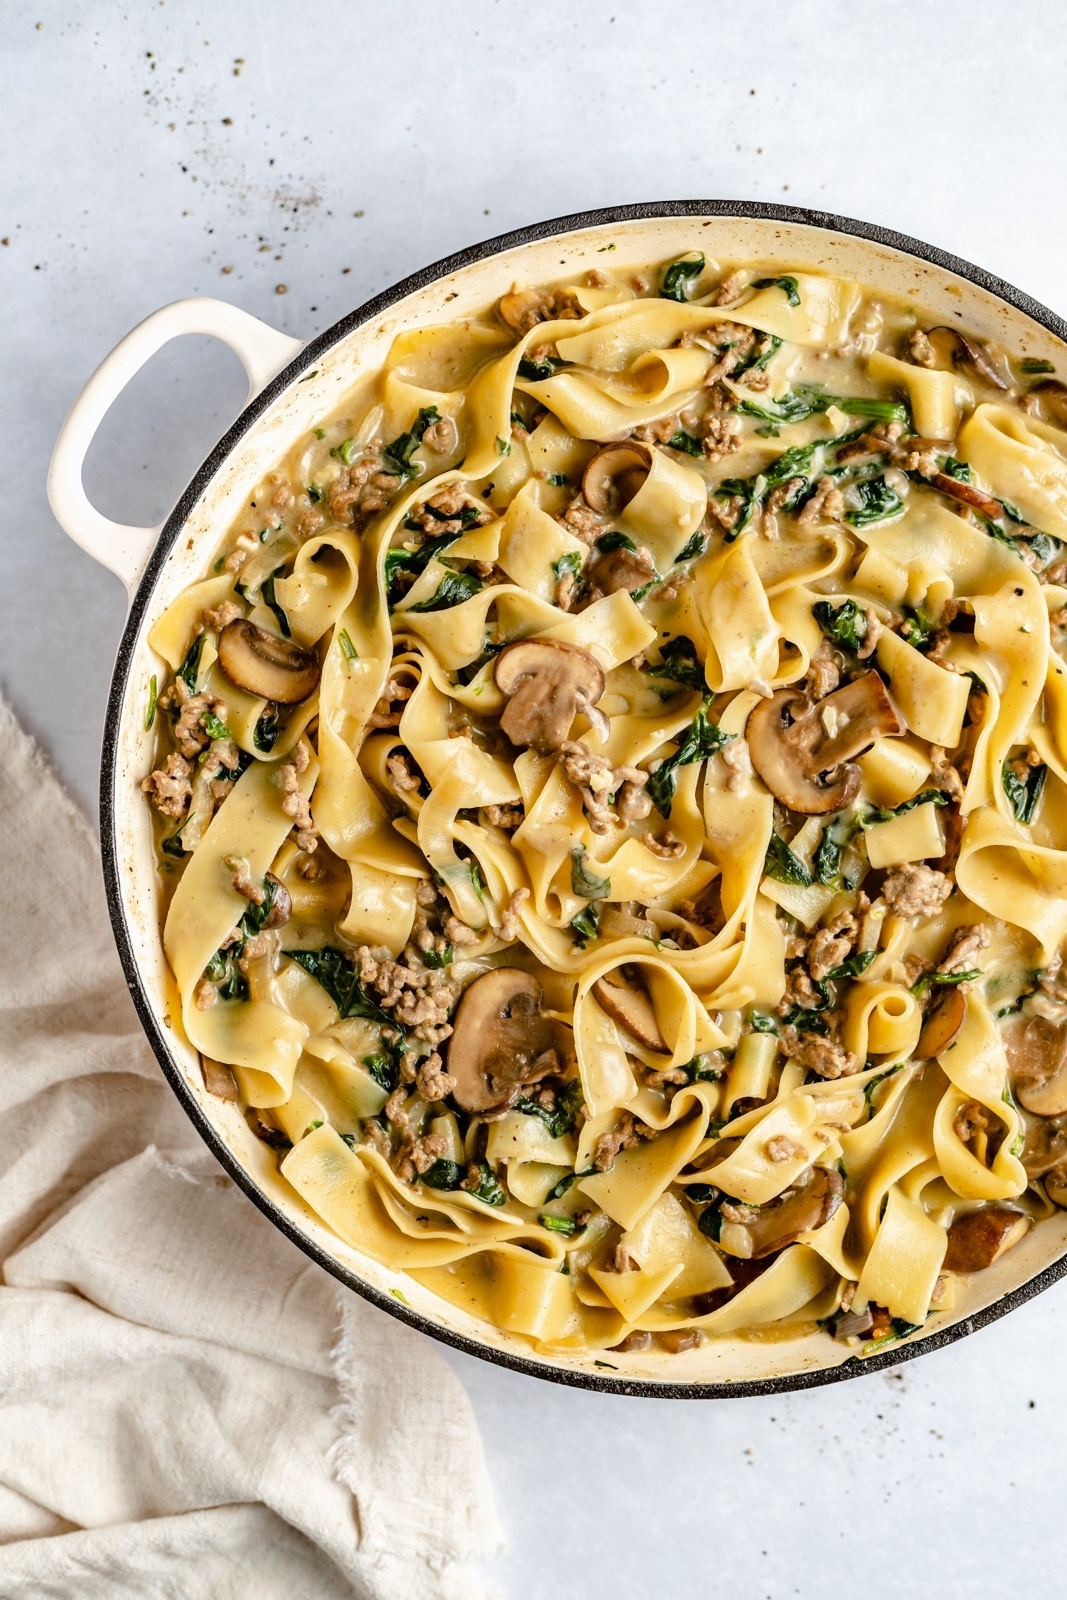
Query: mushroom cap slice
pixel 265 664
pixel 790 746
pixel 623 569
pixel 798 1211
pixel 614 475
pixel 942 1027
pixel 500 1040
pixel 1054 398
pixel 954 349
pixel 546 683
pixel 628 1004
pixel 1037 1053
pixel 967 493
pixel 978 1238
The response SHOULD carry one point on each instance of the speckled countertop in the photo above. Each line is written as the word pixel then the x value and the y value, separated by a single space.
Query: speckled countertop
pixel 298 160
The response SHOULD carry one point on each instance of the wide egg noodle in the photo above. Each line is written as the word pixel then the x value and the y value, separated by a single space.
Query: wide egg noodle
pixel 257 1036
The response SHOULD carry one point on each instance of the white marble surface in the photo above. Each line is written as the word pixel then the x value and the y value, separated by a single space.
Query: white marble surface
pixel 359 142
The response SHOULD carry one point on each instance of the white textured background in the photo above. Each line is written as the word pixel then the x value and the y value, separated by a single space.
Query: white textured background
pixel 337 147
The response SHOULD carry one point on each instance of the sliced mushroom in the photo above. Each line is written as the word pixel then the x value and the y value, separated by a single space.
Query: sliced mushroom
pixel 626 1001
pixel 623 569
pixel 978 1238
pixel 266 1128
pixel 781 1221
pixel 614 475
pixel 792 746
pixel 265 664
pixel 523 309
pixel 1056 1186
pixel 546 683
pixel 954 349
pixel 942 1027
pixel 1037 1054
pixel 967 493
pixel 1044 1147
pixel 500 1040
pixel 1054 399
pixel 219 1079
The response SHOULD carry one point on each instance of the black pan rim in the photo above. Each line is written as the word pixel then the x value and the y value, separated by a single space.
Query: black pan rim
pixel 529 1366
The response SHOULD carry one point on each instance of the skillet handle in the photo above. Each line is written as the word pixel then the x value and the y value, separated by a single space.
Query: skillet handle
pixel 124 550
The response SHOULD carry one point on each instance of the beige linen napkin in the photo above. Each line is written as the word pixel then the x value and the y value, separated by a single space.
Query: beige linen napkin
pixel 188 1406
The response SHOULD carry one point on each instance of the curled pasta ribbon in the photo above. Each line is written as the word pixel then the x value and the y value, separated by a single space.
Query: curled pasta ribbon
pixel 1022 459
pixel 882 1019
pixel 977 1069
pixel 321 586
pixel 881 1152
pixel 741 631
pixel 362 1200
pixel 257 1036
pixel 638 1176
pixel 1001 870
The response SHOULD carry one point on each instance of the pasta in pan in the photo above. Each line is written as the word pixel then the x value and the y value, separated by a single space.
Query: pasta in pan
pixel 611 805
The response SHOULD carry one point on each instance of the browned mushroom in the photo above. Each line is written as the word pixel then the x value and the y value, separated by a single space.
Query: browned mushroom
pixel 500 1040
pixel 942 1027
pixel 614 475
pixel 967 494
pixel 547 683
pixel 772 1226
pixel 953 349
pixel 978 1238
pixel 1037 1055
pixel 623 569
pixel 626 1000
pixel 791 747
pixel 219 1079
pixel 264 1127
pixel 1056 1186
pixel 1054 399
pixel 266 665
pixel 523 309
pixel 1044 1147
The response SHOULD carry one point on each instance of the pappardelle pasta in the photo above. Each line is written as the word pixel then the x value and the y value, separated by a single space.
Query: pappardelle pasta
pixel 611 797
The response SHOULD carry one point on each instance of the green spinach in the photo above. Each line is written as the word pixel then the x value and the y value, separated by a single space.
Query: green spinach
pixel 487 1189
pixel 925 797
pixel 337 974
pixel 396 457
pixel 679 662
pixel 787 284
pixel 584 882
pixel 702 739
pixel 878 502
pixel 680 277
pixel 783 866
pixel 844 625
pixel 267 595
pixel 1024 793
pixel 453 590
pixel 189 670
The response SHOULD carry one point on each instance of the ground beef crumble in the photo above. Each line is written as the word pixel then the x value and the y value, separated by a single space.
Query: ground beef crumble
pixel 913 890
pixel 169 787
pixel 611 796
pixel 627 1133
pixel 420 1000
